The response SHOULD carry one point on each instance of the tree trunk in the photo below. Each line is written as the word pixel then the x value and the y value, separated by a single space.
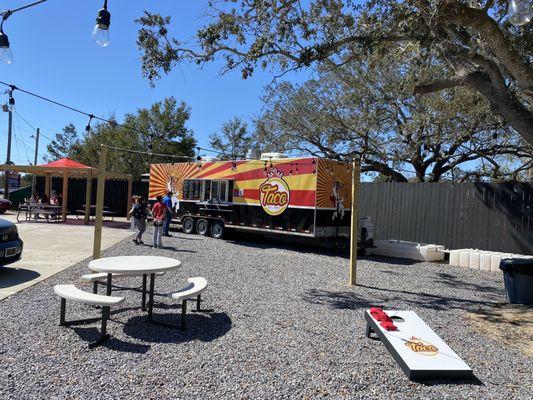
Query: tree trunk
pixel 505 105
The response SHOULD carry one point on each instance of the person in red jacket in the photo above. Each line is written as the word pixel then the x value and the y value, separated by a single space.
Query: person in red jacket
pixel 158 212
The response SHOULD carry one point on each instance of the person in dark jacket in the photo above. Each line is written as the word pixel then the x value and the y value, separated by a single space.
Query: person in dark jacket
pixel 139 212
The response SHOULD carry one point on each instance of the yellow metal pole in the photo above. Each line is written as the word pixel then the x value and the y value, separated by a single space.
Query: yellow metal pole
pixel 88 192
pixel 356 172
pixel 100 189
pixel 64 203
pixel 128 202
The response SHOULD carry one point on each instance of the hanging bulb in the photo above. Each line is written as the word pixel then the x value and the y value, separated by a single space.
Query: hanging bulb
pixel 520 12
pixel 11 102
pixel 101 30
pixel 88 126
pixel 5 52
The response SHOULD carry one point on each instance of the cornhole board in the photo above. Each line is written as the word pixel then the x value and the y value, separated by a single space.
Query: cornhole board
pixel 419 351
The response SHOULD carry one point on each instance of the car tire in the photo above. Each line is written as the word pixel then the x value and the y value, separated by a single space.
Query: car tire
pixel 3 211
pixel 202 227
pixel 187 225
pixel 217 229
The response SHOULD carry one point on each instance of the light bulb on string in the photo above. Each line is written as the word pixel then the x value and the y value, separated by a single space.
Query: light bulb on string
pixel 5 51
pixel 88 126
pixel 11 101
pixel 101 30
pixel 520 12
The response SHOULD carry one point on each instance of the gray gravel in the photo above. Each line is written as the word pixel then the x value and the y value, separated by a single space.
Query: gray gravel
pixel 285 325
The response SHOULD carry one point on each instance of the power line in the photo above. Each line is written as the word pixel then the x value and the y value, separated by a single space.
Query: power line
pixel 34 128
pixel 9 12
pixel 74 109
pixel 147 153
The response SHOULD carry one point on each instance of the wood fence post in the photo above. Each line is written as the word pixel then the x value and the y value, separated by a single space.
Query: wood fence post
pixel 100 190
pixel 88 193
pixel 356 172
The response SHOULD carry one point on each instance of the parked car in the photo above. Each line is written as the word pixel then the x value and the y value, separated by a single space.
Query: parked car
pixel 4 205
pixel 10 243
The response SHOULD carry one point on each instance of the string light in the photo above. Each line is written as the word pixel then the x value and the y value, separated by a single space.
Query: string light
pixel 520 12
pixel 100 33
pixel 5 51
pixel 88 126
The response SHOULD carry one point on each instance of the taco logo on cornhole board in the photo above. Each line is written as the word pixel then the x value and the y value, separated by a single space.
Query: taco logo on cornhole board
pixel 274 193
pixel 422 347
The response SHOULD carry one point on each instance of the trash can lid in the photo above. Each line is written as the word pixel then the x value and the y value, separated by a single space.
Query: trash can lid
pixel 522 265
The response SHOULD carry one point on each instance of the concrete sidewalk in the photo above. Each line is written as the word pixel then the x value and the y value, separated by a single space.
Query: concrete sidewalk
pixel 51 247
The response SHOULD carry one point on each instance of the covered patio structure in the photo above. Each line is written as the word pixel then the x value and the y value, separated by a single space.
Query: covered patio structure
pixel 66 168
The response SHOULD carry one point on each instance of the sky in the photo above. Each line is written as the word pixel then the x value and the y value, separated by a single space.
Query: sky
pixel 56 58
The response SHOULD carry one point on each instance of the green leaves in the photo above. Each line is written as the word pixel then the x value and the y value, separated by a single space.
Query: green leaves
pixel 163 125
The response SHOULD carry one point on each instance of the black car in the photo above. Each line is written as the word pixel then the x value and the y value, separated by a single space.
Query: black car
pixel 10 243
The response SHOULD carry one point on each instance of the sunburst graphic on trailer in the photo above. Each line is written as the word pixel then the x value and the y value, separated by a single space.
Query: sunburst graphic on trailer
pixel 274 193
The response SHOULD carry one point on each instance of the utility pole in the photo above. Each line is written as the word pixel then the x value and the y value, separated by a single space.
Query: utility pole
pixel 9 132
pixel 35 159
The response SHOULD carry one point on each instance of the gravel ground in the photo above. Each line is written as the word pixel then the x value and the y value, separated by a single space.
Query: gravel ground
pixel 285 325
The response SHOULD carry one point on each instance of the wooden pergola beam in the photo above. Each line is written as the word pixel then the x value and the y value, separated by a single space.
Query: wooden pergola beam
pixel 64 203
pixel 88 192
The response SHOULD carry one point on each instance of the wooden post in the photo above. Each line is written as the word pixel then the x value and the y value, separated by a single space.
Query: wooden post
pixel 100 189
pixel 46 185
pixel 64 203
pixel 356 172
pixel 88 192
pixel 128 202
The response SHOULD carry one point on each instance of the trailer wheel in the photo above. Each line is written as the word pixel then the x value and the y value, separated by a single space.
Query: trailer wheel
pixel 217 229
pixel 202 227
pixel 187 225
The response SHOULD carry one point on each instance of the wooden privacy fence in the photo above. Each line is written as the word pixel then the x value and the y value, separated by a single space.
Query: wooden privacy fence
pixel 487 216
pixel 115 193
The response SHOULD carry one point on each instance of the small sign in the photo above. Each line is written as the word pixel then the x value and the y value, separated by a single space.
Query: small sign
pixel 13 180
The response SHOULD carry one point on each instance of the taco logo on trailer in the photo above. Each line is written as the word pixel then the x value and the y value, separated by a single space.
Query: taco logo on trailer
pixel 274 193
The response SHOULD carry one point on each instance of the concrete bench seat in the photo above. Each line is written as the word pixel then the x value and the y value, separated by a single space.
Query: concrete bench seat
pixel 97 278
pixel 193 291
pixel 72 293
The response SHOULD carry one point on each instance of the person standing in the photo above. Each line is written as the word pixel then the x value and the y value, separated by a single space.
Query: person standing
pixel 34 203
pixel 158 212
pixel 167 201
pixel 139 211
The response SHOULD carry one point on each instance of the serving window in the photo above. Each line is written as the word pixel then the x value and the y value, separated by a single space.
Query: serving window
pixel 214 190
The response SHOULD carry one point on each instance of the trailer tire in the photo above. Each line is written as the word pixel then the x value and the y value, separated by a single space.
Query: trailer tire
pixel 202 227
pixel 187 225
pixel 217 229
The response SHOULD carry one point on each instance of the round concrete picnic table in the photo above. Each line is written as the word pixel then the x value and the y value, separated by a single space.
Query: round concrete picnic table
pixel 135 265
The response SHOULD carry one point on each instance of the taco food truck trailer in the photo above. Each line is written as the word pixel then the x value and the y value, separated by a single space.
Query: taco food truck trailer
pixel 309 197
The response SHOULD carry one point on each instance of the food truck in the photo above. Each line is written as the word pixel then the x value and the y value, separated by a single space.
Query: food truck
pixel 308 197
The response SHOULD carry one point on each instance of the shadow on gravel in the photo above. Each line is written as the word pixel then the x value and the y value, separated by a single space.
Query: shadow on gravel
pixel 297 244
pixel 15 276
pixel 452 281
pixel 392 260
pixel 375 296
pixel 91 334
pixel 203 327
pixel 474 381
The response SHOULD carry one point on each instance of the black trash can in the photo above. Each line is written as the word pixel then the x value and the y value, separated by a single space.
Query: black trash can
pixel 518 279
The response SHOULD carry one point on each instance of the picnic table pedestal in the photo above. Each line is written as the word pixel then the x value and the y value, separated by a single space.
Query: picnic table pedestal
pixel 135 266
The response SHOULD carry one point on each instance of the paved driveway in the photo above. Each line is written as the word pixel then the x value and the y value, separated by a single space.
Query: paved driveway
pixel 51 247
